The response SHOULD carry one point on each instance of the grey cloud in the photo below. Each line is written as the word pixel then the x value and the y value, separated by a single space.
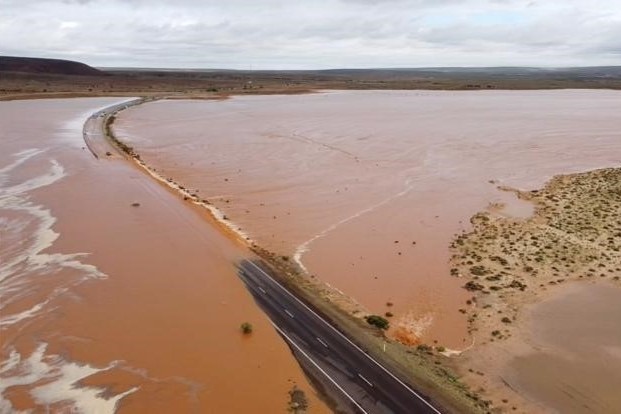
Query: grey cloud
pixel 317 33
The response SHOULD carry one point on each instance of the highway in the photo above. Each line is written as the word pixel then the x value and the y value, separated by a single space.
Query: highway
pixel 361 382
pixel 93 130
pixel 350 377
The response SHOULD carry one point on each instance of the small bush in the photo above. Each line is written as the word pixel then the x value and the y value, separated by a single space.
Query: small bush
pixel 473 286
pixel 298 403
pixel 246 328
pixel 378 321
pixel 478 270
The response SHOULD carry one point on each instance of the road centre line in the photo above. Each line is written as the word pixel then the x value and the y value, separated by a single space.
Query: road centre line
pixel 347 339
pixel 319 368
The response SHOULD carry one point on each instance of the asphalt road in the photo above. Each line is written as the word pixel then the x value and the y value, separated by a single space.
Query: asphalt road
pixel 93 129
pixel 354 381
pixel 364 384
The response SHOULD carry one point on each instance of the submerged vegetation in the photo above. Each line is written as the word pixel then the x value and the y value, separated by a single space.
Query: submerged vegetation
pixel 298 403
pixel 246 328
pixel 378 321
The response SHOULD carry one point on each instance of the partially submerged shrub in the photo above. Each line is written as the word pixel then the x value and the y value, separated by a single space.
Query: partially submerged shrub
pixel 378 321
pixel 246 328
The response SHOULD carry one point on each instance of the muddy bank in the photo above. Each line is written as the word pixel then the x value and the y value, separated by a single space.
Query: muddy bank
pixel 545 301
pixel 562 355
pixel 111 283
pixel 366 190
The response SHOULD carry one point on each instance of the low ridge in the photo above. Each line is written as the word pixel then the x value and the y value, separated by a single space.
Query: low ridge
pixel 47 66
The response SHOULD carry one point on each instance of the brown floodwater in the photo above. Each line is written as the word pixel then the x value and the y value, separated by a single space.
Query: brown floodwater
pixel 574 363
pixel 366 189
pixel 105 306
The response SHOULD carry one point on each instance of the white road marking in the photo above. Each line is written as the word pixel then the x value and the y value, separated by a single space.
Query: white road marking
pixel 288 313
pixel 262 290
pixel 347 339
pixel 322 342
pixel 319 368
pixel 365 380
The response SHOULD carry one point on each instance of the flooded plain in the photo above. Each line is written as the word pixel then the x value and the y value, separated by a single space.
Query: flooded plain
pixel 573 365
pixel 366 189
pixel 114 294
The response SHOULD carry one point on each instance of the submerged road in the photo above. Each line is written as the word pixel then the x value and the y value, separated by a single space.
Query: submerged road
pixel 93 130
pixel 362 382
pixel 356 381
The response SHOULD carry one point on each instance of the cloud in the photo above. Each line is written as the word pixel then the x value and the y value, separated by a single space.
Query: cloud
pixel 315 33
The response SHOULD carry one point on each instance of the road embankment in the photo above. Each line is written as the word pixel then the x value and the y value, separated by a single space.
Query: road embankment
pixel 421 366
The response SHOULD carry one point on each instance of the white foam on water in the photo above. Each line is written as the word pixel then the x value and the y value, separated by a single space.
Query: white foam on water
pixel 53 381
pixel 20 158
pixel 216 213
pixel 304 247
pixel 29 261
pixel 26 314
pixel 456 352
pixel 415 325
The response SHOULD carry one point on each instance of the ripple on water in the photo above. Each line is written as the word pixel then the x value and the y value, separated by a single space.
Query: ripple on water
pixel 52 381
pixel 30 283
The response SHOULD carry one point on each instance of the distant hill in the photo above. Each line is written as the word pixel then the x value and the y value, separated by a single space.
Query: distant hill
pixel 595 72
pixel 46 66
pixel 34 77
pixel 439 78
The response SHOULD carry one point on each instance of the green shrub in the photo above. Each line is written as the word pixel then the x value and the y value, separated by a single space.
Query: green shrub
pixel 378 321
pixel 478 270
pixel 246 328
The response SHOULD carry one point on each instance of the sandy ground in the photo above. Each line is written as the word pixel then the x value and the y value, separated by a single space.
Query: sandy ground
pixel 106 305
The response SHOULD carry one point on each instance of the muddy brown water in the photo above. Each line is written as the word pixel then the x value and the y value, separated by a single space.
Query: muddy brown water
pixel 107 307
pixel 574 365
pixel 366 189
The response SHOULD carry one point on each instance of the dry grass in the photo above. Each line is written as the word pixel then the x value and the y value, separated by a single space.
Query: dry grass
pixel 208 84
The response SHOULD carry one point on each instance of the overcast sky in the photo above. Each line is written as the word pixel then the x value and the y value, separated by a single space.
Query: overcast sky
pixel 299 34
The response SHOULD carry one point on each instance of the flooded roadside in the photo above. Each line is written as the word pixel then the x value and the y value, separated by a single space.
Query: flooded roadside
pixel 111 283
pixel 367 189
